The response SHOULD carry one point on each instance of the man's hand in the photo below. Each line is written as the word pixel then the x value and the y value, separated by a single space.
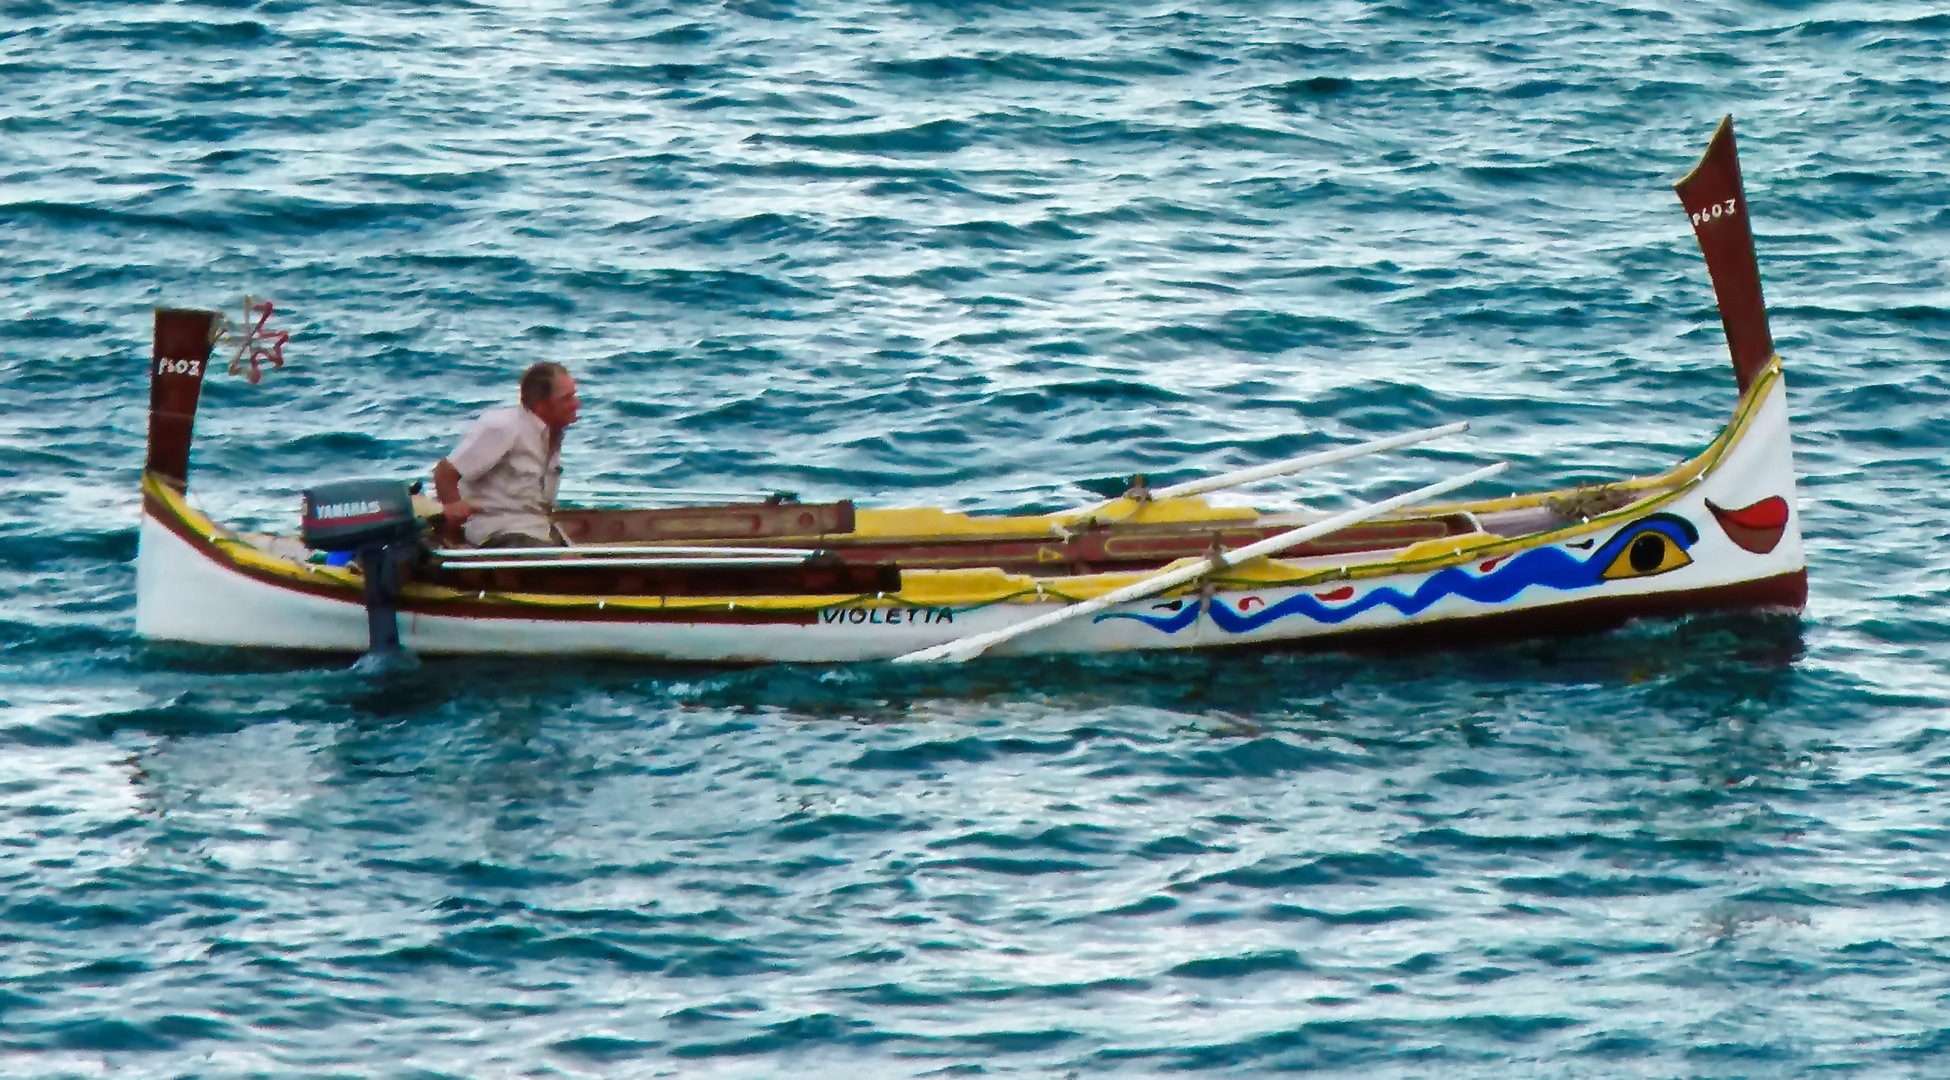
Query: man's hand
pixel 446 485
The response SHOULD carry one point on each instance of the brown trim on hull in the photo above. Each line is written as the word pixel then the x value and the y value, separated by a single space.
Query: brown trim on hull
pixel 475 609
pixel 1787 591
pixel 466 609
pixel 815 577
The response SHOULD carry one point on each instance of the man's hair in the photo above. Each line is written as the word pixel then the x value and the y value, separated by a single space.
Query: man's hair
pixel 538 382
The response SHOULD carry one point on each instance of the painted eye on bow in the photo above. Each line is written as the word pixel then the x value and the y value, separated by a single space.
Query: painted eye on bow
pixel 1650 552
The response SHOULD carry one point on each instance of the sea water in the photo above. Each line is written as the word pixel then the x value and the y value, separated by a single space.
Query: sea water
pixel 987 255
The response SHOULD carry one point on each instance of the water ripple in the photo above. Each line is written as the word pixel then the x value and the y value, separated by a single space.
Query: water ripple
pixel 993 255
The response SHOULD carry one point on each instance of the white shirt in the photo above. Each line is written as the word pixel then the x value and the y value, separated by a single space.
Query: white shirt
pixel 508 472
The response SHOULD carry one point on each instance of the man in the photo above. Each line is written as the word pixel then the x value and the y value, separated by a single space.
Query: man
pixel 499 484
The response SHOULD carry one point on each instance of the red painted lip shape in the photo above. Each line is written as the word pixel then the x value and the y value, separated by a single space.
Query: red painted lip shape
pixel 1757 528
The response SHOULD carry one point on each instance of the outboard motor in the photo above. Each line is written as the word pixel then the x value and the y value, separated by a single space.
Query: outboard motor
pixel 373 519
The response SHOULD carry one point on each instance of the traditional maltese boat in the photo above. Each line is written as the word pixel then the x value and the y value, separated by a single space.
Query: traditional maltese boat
pixel 779 580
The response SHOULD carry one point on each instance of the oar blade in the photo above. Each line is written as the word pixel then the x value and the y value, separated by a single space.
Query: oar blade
pixel 958 651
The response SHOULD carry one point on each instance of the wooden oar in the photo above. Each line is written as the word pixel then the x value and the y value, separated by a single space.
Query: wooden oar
pixel 974 645
pixel 1287 467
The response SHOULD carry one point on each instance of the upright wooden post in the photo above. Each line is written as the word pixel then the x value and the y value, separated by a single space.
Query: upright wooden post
pixel 1716 201
pixel 179 355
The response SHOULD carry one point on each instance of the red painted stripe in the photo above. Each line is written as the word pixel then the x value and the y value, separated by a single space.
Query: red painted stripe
pixel 1769 513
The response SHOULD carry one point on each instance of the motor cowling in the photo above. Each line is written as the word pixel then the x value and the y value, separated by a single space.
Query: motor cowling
pixel 354 514
pixel 373 519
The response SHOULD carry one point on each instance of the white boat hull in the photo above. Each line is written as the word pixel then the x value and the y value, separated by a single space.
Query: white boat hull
pixel 186 593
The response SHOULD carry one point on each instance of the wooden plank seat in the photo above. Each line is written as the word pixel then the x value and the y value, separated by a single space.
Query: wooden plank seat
pixel 1102 549
pixel 734 521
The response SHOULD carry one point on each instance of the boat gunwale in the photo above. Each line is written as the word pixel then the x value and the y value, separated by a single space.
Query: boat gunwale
pixel 167 503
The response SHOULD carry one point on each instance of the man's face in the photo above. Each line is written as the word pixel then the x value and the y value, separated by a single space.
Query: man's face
pixel 559 411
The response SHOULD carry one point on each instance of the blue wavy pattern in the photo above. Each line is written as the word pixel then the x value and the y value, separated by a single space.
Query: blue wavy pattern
pixel 1551 567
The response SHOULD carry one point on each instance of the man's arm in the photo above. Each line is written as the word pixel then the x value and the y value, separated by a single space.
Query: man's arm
pixel 484 447
pixel 446 487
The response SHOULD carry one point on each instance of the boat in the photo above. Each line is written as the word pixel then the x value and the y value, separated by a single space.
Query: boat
pixel 763 580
